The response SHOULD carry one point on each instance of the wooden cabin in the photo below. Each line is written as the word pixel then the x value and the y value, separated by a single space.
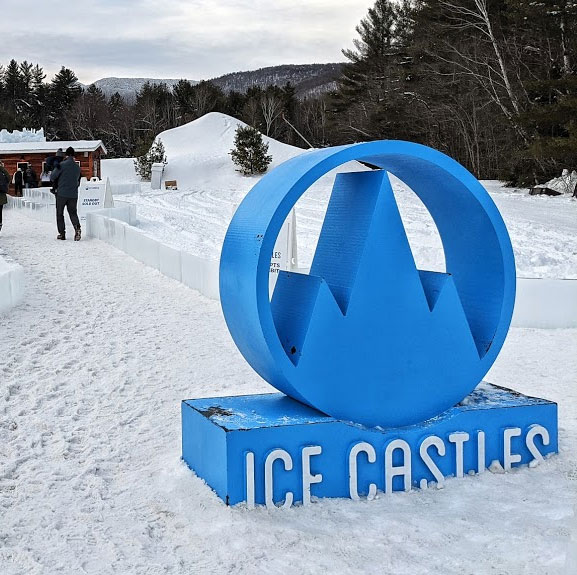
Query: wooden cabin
pixel 22 154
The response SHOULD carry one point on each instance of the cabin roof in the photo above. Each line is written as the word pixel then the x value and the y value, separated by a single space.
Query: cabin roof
pixel 50 147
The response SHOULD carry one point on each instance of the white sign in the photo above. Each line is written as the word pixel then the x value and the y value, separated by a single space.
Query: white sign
pixel 284 255
pixel 93 195
pixel 156 176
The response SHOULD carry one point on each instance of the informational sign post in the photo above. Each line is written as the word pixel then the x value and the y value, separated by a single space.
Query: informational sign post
pixel 284 254
pixel 93 195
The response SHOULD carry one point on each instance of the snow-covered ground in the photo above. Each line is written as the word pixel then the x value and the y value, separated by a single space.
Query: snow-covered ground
pixel 93 367
pixel 195 217
pixel 95 361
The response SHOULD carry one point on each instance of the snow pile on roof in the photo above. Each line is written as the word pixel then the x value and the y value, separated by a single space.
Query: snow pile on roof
pixel 50 147
pixel 25 135
pixel 199 152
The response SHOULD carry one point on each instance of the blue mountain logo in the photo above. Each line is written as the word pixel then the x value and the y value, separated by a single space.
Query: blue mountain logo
pixel 391 344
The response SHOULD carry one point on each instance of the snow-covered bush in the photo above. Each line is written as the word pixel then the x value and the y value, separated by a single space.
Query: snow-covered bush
pixel 155 155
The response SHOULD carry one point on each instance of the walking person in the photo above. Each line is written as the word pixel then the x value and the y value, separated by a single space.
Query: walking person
pixel 18 181
pixel 66 178
pixel 4 183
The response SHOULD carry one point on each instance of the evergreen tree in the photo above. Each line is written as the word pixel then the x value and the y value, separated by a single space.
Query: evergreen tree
pixel 26 112
pixel 12 95
pixel 250 151
pixel 120 130
pixel 234 104
pixel 39 97
pixel 63 92
pixel 155 155
pixel 4 115
pixel 371 101
pixel 184 100
pixel 251 111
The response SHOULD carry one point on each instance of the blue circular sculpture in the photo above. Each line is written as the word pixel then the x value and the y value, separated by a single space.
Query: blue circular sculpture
pixel 367 337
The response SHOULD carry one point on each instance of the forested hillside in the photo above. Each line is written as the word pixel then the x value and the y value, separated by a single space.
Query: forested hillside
pixel 490 82
pixel 307 79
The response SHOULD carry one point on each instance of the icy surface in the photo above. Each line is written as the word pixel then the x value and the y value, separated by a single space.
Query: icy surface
pixel 93 367
pixel 25 135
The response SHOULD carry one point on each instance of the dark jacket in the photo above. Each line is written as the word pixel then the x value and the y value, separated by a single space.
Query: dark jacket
pixel 30 178
pixel 18 178
pixel 67 177
pixel 4 183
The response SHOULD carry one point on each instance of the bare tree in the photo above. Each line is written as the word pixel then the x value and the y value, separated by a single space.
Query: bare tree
pixel 488 67
pixel 271 105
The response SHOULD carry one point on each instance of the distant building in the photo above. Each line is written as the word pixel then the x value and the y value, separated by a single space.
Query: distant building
pixel 22 154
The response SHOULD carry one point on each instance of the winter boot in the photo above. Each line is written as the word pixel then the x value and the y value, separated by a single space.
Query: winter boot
pixel 77 234
pixel 61 237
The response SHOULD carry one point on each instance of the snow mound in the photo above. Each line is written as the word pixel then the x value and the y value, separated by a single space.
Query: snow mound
pixel 198 156
pixel 564 184
pixel 199 152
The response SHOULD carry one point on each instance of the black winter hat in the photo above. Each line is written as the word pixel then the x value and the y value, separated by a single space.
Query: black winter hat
pixel 70 151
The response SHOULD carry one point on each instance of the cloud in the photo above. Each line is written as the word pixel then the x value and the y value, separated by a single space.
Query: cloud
pixel 193 39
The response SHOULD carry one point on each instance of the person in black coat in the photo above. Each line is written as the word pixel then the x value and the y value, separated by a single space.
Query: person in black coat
pixel 50 164
pixel 18 181
pixel 4 183
pixel 66 178
pixel 30 179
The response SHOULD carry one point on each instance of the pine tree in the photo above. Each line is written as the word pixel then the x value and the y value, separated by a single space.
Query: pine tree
pixel 27 95
pixel 39 97
pixel 119 142
pixel 371 100
pixel 12 94
pixel 63 93
pixel 250 151
pixel 155 155
pixel 184 101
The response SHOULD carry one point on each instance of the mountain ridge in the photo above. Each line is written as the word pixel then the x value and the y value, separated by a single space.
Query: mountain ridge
pixel 307 79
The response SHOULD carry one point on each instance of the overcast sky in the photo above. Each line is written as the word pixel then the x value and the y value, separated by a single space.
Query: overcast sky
pixel 194 39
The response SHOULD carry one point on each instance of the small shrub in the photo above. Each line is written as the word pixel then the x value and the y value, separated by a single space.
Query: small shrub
pixel 250 151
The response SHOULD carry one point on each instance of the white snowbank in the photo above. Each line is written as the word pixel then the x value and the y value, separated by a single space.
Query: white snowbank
pixel 119 171
pixel 545 303
pixel 564 184
pixel 116 227
pixel 11 285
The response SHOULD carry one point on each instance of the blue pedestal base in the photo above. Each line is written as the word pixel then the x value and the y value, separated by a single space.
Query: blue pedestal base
pixel 270 449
